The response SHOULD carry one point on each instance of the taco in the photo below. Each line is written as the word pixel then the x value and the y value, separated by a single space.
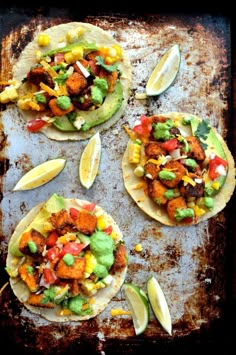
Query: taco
pixel 66 259
pixel 177 168
pixel 74 80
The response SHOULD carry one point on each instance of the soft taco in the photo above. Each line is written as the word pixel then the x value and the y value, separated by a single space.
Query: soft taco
pixel 177 168
pixel 66 259
pixel 72 80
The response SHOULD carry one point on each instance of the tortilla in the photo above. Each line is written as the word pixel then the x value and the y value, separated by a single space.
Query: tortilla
pixel 137 188
pixel 57 34
pixel 99 301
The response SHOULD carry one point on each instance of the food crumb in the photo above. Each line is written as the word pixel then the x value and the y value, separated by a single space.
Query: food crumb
pixel 138 247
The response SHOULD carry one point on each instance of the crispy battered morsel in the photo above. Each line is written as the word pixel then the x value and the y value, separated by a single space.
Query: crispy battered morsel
pixel 62 222
pixel 120 259
pixel 178 169
pixel 74 271
pixel 37 300
pixel 86 222
pixel 196 150
pixel 57 111
pixel 32 236
pixel 174 204
pixel 152 169
pixel 154 150
pixel 76 83
pixel 156 191
pixel 38 75
pixel 29 276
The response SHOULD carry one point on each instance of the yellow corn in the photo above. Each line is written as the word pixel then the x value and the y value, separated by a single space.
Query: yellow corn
pixel 28 105
pixel 90 263
pixel 216 185
pixel 101 224
pixel 43 40
pixel 88 287
pixel 66 238
pixel 8 95
pixel 38 55
pixel 134 153
pixel 199 211
pixel 112 54
pixel 119 312
pixel 73 35
pixel 114 235
pixel 76 54
pixel 138 247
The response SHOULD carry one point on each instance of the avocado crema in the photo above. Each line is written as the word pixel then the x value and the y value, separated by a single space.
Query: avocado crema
pixel 102 247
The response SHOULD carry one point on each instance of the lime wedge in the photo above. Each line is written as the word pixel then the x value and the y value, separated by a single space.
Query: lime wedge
pixel 159 304
pixel 40 174
pixel 89 161
pixel 165 72
pixel 138 305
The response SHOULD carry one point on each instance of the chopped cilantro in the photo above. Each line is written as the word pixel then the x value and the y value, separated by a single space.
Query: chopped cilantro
pixel 202 132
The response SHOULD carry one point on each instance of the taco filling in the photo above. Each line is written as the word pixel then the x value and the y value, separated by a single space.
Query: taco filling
pixel 68 261
pixel 70 79
pixel 176 167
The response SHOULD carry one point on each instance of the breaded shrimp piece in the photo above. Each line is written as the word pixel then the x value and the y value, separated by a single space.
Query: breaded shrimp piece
pixel 152 170
pixel 120 261
pixel 86 222
pixel 111 78
pixel 74 271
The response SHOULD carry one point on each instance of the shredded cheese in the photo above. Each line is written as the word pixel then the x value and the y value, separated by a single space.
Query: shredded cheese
pixel 119 312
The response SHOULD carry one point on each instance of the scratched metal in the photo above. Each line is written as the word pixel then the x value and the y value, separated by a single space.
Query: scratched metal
pixel 190 263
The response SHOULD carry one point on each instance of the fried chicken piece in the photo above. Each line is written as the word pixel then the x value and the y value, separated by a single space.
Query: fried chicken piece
pixel 62 222
pixel 86 222
pixel 35 237
pixel 37 301
pixel 152 169
pixel 178 169
pixel 74 271
pixel 111 78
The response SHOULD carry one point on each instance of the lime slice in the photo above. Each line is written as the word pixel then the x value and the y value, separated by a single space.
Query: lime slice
pixel 41 174
pixel 159 304
pixel 89 161
pixel 138 305
pixel 165 72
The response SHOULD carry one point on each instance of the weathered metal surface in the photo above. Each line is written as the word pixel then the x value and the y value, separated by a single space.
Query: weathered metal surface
pixel 190 263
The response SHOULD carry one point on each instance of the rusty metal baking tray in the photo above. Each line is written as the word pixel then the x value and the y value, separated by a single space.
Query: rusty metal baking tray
pixel 192 264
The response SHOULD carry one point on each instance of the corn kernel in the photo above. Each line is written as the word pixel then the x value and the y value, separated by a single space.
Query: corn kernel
pixel 216 185
pixel 73 35
pixel 199 211
pixel 68 58
pixel 138 247
pixel 134 153
pixel 114 235
pixel 43 40
pixel 101 224
pixel 8 95
pixel 77 53
pixel 38 55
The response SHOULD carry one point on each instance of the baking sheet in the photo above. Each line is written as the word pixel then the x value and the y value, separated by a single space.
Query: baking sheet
pixel 190 263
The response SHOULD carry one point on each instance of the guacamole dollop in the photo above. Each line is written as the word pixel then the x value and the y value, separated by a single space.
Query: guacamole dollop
pixel 102 246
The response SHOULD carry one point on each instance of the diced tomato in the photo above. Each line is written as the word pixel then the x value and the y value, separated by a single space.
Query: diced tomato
pixel 170 145
pixel 145 126
pixel 53 253
pixel 89 207
pixel 74 213
pixel 94 67
pixel 35 125
pixel 51 239
pixel 72 248
pixel 214 163
pixel 108 230
pixel 187 220
pixel 49 276
pixel 59 58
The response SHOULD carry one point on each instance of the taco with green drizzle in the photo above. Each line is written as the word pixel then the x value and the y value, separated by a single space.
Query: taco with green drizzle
pixel 66 259
pixel 177 168
pixel 72 80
